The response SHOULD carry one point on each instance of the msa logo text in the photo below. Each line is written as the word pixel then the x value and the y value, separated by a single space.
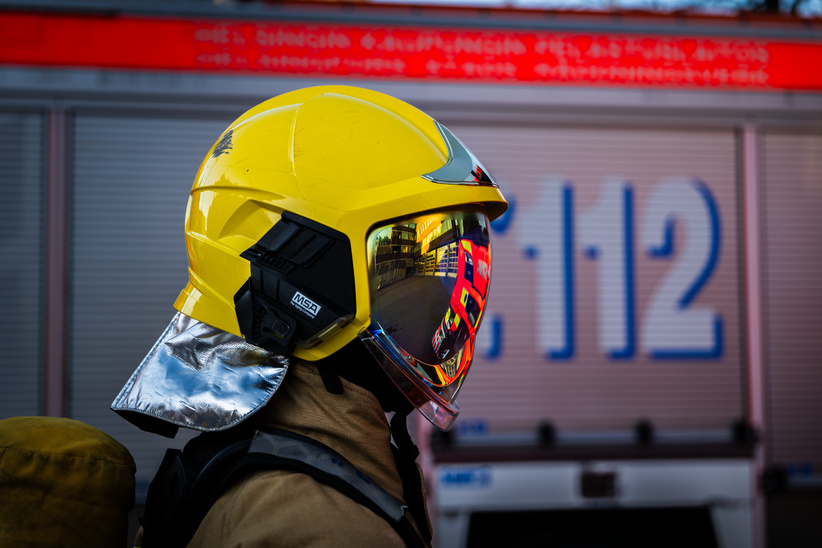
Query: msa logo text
pixel 305 305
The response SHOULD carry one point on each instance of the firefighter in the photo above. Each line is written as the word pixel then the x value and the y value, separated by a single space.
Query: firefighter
pixel 323 233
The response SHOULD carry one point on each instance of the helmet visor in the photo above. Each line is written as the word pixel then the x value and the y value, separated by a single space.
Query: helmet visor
pixel 429 278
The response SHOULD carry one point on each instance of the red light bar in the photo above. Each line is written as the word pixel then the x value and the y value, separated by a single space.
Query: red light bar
pixel 397 52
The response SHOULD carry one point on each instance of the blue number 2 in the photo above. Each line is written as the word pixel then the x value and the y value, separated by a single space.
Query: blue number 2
pixel 674 325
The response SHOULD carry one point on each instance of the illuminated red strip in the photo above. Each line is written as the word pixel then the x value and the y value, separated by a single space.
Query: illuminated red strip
pixel 317 49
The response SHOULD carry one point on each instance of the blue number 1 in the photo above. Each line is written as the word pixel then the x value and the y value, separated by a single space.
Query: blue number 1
pixel 546 235
pixel 607 236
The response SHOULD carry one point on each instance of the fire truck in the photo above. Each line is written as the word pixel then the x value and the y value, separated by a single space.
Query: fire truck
pixel 647 369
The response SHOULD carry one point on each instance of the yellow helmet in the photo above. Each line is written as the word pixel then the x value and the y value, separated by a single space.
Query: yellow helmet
pixel 280 224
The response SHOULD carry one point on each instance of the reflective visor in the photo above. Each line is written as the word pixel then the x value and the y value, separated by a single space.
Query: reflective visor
pixel 429 279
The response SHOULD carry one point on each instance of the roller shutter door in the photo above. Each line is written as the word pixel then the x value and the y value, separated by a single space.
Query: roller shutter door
pixel 22 226
pixel 792 211
pixel 131 180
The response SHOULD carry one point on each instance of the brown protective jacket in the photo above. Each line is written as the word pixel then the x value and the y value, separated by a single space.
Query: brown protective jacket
pixel 279 508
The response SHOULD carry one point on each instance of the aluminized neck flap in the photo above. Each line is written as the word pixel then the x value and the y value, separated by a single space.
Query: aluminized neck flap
pixel 199 377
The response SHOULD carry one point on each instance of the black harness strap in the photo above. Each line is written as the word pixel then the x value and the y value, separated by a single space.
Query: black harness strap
pixel 405 458
pixel 188 483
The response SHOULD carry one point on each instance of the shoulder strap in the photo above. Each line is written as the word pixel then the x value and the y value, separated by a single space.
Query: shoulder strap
pixel 188 483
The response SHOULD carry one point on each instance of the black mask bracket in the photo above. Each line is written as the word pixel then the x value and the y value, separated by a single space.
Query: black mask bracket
pixel 301 284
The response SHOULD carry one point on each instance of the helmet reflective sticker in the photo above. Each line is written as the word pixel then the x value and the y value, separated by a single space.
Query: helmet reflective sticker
pixel 429 278
pixel 462 167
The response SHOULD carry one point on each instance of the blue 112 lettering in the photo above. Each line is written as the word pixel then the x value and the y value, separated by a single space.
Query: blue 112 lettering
pixel 610 234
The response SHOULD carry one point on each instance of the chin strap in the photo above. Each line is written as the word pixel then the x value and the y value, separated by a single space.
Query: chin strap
pixel 405 458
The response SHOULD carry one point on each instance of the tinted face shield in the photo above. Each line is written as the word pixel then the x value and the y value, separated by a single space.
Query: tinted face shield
pixel 429 278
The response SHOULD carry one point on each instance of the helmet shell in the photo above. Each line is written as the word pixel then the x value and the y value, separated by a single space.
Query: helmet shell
pixel 344 157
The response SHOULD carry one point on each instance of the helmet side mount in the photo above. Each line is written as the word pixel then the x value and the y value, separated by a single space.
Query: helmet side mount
pixel 301 288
